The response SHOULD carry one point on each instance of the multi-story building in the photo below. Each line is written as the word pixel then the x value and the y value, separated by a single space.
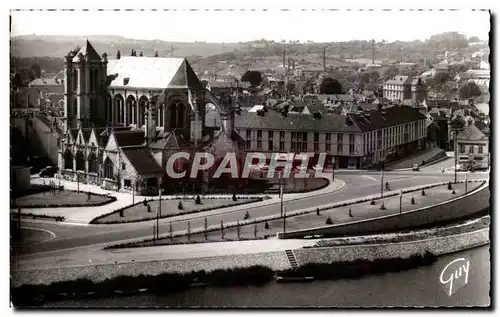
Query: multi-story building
pixel 398 88
pixel 355 140
pixel 472 147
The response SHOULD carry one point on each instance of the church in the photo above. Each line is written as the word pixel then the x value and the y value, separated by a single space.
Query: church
pixel 124 117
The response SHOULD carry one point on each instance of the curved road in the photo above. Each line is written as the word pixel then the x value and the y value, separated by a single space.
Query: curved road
pixel 358 184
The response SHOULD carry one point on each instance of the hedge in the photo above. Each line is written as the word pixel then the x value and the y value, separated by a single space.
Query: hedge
pixel 180 213
pixel 35 216
pixel 110 200
pixel 164 283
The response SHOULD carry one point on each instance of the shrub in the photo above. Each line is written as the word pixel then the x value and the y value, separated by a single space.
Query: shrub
pixel 449 186
pixel 423 192
pixel 234 197
pixel 121 213
pixel 372 202
pixel 149 208
pixel 382 207
pixel 266 226
pixel 317 211
pixel 179 206
pixel 453 192
pixel 413 201
pixel 144 202
pixel 350 213
pixel 329 221
pixel 198 200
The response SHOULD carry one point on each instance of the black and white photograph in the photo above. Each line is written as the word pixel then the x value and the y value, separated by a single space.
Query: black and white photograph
pixel 250 158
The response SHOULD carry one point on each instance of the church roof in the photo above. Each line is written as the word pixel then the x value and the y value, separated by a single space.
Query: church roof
pixel 471 133
pixel 129 138
pixel 142 160
pixel 152 72
pixel 88 51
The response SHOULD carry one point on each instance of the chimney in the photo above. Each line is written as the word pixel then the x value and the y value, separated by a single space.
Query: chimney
pixel 284 59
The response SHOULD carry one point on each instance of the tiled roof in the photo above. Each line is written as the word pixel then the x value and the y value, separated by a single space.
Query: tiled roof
pixel 212 119
pixel 167 142
pixel 375 120
pixel 471 133
pixel 142 160
pixel 128 138
pixel 152 72
pixel 316 108
pixel 275 121
pixel 398 80
pixel 46 82
pixel 55 98
pixel 88 51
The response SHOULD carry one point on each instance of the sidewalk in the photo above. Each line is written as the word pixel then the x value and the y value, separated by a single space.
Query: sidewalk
pixel 83 215
pixel 416 159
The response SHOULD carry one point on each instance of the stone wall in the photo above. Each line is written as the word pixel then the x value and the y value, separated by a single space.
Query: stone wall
pixel 438 246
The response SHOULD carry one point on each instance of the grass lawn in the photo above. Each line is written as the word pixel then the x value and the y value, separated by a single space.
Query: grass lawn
pixel 169 208
pixel 32 236
pixel 60 199
pixel 338 215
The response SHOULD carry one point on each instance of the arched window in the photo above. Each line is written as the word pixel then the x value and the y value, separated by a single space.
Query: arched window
pixel 108 169
pixel 142 110
pixel 130 110
pixel 75 79
pixel 177 114
pixel 80 161
pixel 92 163
pixel 119 108
pixel 68 160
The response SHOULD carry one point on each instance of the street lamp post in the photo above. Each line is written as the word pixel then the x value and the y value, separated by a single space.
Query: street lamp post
pixel 281 193
pixel 455 154
pixel 78 181
pixel 133 192
pixel 400 201
pixel 284 221
pixel 466 182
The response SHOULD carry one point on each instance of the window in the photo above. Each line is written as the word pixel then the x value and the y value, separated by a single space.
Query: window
pixel 339 148
pixel 282 146
pixel 316 147
pixel 462 148
pixel 259 144
pixel 75 79
pixel 351 138
pixel 282 135
pixel 123 166
pixel 270 145
pixel 127 183
pixel 293 135
pixel 304 146
pixel 328 136
pixel 316 136
pixel 340 137
pixel 249 134
pixel 304 136
pixel 351 149
pixel 259 134
pixel 328 147
pixel 480 149
pixel 270 134
pixel 249 144
pixel 292 146
pixel 471 148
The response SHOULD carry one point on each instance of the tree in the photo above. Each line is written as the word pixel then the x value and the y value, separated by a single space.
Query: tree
pixel 330 86
pixel 36 70
pixel 290 87
pixel 469 90
pixel 118 55
pixel 133 53
pixel 156 54
pixel 252 76
pixel 391 72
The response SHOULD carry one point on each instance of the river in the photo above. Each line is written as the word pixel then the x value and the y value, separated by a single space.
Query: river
pixel 417 287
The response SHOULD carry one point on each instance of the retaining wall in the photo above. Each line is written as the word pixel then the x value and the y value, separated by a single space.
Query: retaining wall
pixel 469 204
pixel 438 246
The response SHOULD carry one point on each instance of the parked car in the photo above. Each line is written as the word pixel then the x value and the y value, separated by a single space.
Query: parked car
pixel 415 168
pixel 49 171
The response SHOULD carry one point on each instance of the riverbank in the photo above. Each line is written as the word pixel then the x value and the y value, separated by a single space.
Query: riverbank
pixel 164 283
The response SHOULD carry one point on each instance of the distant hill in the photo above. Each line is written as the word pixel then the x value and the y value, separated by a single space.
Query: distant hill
pixel 59 46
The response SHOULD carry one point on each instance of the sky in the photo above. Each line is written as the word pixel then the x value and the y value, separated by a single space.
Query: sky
pixel 238 26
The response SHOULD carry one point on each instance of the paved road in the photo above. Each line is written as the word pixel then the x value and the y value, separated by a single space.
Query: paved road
pixel 358 184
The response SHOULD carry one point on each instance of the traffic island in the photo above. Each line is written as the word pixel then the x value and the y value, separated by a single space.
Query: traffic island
pixel 256 229
pixel 61 198
pixel 149 209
